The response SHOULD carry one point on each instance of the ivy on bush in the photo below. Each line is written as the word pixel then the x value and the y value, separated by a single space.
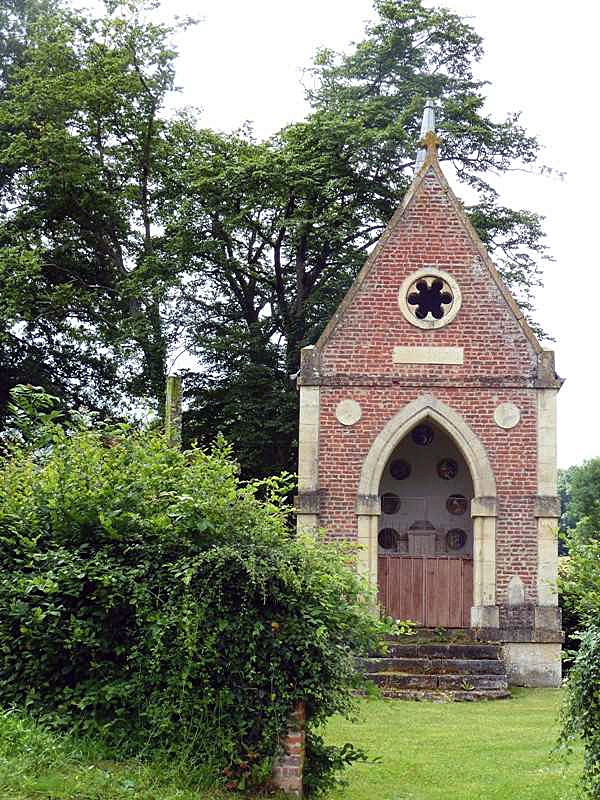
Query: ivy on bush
pixel 150 598
pixel 581 709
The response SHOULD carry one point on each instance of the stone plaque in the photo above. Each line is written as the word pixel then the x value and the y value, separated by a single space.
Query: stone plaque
pixel 515 591
pixel 457 505
pixel 388 539
pixel 447 469
pixel 456 539
pixel 428 355
pixel 422 435
pixel 507 415
pixel 348 412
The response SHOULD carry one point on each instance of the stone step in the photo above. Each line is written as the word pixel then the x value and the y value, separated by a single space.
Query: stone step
pixel 467 683
pixel 433 666
pixel 428 635
pixel 447 696
pixel 444 651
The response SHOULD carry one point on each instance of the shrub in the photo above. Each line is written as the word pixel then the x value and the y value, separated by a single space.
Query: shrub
pixel 579 575
pixel 581 709
pixel 150 598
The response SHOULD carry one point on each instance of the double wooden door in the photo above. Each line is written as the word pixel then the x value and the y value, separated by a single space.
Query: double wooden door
pixel 433 591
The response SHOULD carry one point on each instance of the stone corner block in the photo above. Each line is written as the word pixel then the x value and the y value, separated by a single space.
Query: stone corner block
pixel 310 366
pixel 547 506
pixel 547 377
pixel 483 507
pixel 548 618
pixel 307 502
pixel 368 504
pixel 533 664
pixel 485 617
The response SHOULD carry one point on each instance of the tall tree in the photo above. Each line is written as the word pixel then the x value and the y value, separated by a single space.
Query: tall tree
pixel 281 227
pixel 579 489
pixel 126 236
pixel 81 269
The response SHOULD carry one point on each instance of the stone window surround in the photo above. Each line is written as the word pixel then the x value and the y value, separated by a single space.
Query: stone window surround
pixel 429 324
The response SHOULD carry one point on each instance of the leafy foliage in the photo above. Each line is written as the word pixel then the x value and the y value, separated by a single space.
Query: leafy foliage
pixel 567 517
pixel 80 144
pixel 580 575
pixel 581 710
pixel 582 487
pixel 149 598
pixel 283 226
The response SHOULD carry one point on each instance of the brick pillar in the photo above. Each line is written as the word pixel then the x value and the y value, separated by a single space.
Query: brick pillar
pixel 288 766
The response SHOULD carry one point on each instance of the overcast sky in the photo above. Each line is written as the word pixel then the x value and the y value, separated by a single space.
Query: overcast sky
pixel 244 62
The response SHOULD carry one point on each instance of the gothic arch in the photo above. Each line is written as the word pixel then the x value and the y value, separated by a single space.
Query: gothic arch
pixel 483 507
pixel 423 408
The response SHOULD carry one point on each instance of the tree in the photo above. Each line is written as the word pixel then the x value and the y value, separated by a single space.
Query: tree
pixel 82 272
pixel 580 525
pixel 281 227
pixel 127 236
pixel 583 510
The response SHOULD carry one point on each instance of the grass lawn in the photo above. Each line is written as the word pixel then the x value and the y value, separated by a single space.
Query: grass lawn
pixel 458 751
pixel 38 765
pixel 455 751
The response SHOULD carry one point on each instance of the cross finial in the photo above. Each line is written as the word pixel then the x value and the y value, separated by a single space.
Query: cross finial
pixel 429 141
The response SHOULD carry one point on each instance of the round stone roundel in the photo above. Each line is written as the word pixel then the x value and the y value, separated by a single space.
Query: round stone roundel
pixel 388 539
pixel 457 505
pixel 456 539
pixel 400 469
pixel 390 503
pixel 348 412
pixel 507 415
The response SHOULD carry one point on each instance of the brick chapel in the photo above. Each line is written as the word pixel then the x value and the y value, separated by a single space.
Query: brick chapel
pixel 428 434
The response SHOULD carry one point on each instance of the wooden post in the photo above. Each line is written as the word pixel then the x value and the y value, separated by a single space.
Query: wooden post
pixel 173 411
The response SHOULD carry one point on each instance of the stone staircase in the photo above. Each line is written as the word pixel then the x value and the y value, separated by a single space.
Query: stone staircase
pixel 438 671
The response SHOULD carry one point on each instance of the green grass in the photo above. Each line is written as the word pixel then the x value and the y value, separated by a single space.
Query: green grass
pixel 454 751
pixel 459 751
pixel 36 764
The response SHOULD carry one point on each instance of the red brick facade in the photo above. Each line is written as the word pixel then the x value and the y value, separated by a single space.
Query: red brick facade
pixel 289 766
pixel 343 450
pixel 500 362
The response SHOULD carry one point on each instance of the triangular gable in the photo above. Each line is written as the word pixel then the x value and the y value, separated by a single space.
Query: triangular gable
pixel 431 163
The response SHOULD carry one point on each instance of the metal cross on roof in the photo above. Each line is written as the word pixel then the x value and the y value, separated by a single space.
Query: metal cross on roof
pixel 429 140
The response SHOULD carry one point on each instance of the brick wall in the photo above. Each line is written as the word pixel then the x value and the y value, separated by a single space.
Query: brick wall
pixel 288 767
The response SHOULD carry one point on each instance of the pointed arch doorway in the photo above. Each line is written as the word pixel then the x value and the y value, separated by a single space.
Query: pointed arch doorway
pixel 439 565
pixel 425 536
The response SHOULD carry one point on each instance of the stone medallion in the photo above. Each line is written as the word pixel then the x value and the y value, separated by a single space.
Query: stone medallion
pixel 390 503
pixel 507 415
pixel 400 469
pixel 348 412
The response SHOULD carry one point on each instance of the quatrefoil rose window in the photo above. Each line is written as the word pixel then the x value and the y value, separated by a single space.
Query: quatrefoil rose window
pixel 430 298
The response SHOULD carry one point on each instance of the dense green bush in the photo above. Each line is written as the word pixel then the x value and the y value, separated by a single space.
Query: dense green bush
pixel 579 579
pixel 581 710
pixel 148 597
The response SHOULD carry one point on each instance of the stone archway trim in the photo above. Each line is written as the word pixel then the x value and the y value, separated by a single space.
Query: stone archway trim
pixel 483 507
pixel 427 407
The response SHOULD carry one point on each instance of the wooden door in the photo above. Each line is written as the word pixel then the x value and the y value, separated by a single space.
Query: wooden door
pixel 433 591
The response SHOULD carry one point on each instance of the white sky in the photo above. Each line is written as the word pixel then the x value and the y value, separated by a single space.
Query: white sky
pixel 244 61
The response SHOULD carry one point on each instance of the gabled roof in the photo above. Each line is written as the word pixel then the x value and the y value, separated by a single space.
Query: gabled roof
pixel 430 163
